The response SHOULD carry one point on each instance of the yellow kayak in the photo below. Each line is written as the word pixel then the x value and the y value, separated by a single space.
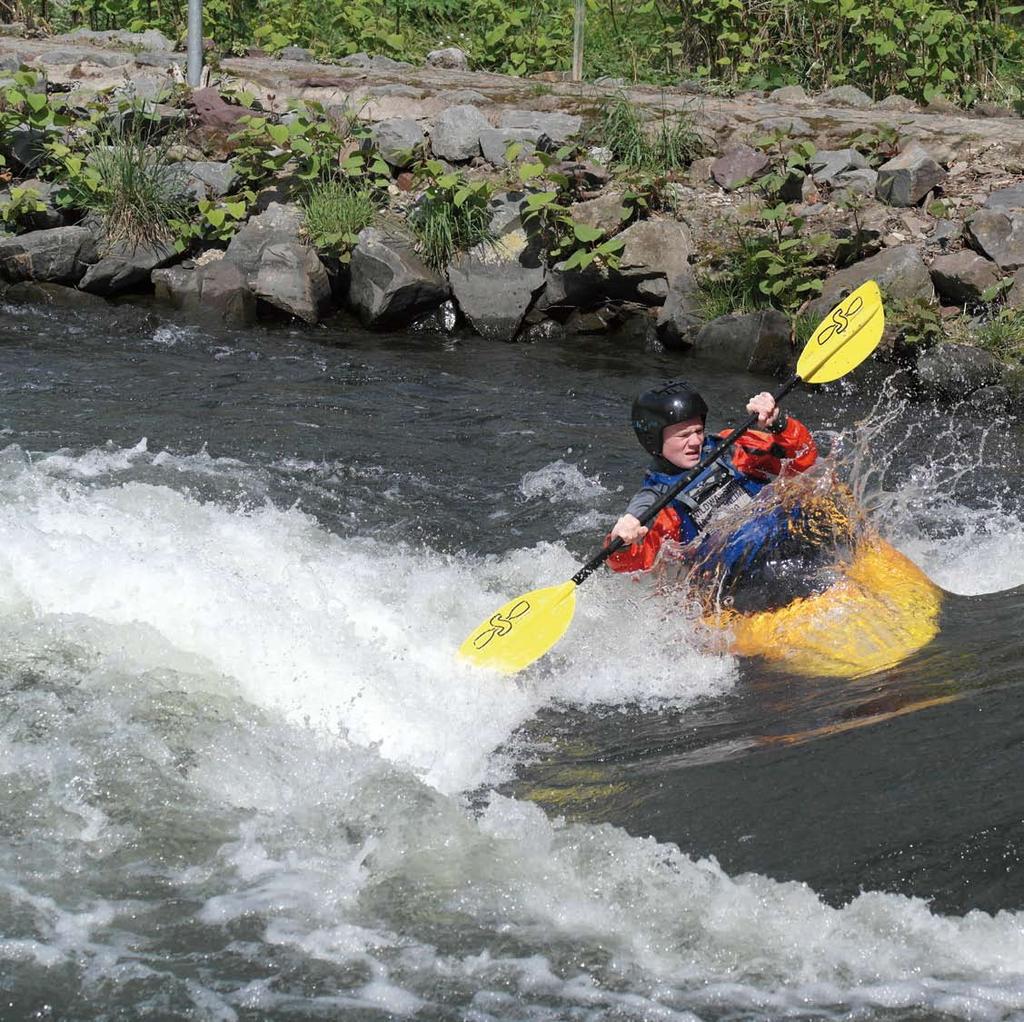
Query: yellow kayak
pixel 882 609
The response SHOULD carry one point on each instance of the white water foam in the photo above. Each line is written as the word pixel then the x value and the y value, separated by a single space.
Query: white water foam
pixel 354 636
pixel 324 720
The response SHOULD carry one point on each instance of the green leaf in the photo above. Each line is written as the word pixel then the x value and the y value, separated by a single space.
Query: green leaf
pixel 215 217
pixel 235 209
pixel 279 133
pixel 586 233
pixel 579 260
pixel 36 100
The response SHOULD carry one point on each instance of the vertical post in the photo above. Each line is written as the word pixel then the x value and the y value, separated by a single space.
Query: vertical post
pixel 195 42
pixel 577 40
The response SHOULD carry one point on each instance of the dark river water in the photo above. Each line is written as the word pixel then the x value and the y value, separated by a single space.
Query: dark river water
pixel 245 777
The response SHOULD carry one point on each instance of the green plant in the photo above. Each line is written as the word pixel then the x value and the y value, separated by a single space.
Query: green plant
pixel 128 179
pixel 451 216
pixel 21 205
pixel 335 213
pixel 668 145
pixel 214 221
pixel 915 323
pixel 1003 336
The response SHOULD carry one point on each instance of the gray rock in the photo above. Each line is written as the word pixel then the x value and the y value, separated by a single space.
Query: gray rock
pixel 61 58
pixel 456 133
pixel 1015 296
pixel 738 165
pixel 225 295
pixel 560 128
pixel 758 342
pixel 395 89
pixel 279 223
pixel 494 143
pixel 566 291
pixel 399 140
pixel 655 252
pixel 13 29
pixel 390 285
pixel 1011 198
pixel 907 178
pixel 984 108
pixel 60 255
pixel 846 95
pixel 277 266
pixel 681 317
pixel 953 371
pixel 298 53
pixel 827 164
pixel 506 212
pixel 151 39
pixel 450 58
pixel 992 399
pixel 900 272
pixel 208 178
pixel 10 62
pixel 855 182
pixel 496 284
pixel 897 103
pixel 29 292
pixel 796 127
pixel 999 236
pixel 789 94
pixel 373 63
pixel 946 232
pixel 291 278
pixel 177 286
pixel 123 267
pixel 546 331
pixel 459 97
pixel 962 277
pixel 605 213
pixel 159 59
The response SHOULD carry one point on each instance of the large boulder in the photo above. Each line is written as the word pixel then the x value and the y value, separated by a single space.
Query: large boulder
pixel 846 95
pixel 962 277
pixel 1000 236
pixel 208 178
pixel 1010 198
pixel 177 286
pixel 124 266
pixel 390 285
pixel 225 295
pixel 953 371
pixel 907 178
pixel 494 143
pixel 449 58
pixel 756 342
pixel 681 317
pixel 900 273
pixel 60 255
pixel 496 283
pixel 278 266
pixel 655 252
pixel 559 128
pixel 399 141
pixel 456 133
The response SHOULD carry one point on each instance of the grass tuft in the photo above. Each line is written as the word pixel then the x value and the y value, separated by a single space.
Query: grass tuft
pixel 335 213
pixel 672 145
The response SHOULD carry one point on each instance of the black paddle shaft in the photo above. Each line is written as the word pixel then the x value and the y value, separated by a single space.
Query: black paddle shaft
pixel 599 558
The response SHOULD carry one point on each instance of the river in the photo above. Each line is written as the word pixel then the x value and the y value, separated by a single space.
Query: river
pixel 244 776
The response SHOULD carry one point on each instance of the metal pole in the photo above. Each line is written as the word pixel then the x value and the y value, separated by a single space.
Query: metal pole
pixel 577 40
pixel 195 42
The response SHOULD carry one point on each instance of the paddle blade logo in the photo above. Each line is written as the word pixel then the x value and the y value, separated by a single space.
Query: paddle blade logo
pixel 846 337
pixel 522 630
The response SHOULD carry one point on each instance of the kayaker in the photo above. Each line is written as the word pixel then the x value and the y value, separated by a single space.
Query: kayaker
pixel 669 422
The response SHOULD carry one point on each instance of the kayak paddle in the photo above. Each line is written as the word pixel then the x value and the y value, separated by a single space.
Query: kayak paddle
pixel 528 626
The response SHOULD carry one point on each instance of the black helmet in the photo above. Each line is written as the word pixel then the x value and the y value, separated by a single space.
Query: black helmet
pixel 664 406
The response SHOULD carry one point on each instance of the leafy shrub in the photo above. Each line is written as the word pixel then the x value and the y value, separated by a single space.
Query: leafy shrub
pixel 335 213
pixel 1003 336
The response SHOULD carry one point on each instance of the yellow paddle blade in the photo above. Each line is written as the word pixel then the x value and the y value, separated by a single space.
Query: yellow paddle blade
pixel 845 337
pixel 522 630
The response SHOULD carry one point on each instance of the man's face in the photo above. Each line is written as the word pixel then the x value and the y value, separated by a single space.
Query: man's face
pixel 681 442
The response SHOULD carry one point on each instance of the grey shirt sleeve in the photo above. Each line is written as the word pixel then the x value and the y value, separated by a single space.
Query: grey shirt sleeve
pixel 645 499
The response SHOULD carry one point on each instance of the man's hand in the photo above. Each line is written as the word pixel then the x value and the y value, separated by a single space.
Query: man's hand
pixel 628 529
pixel 764 406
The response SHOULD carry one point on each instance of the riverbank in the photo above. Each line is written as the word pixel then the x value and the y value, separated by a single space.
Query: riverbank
pixel 522 209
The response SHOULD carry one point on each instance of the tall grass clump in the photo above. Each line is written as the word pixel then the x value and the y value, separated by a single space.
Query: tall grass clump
pixel 134 187
pixel 451 216
pixel 335 213
pixel 670 145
